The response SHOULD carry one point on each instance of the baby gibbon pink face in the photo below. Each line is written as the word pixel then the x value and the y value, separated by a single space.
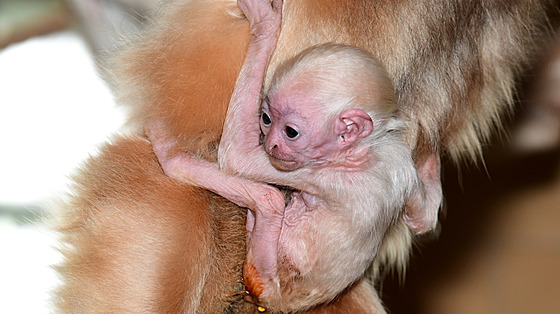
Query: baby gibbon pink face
pixel 295 132
pixel 298 132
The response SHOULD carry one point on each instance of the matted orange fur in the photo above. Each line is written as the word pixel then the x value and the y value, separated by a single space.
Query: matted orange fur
pixel 138 241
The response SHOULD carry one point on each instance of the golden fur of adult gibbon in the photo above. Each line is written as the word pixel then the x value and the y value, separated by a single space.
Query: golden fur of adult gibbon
pixel 138 241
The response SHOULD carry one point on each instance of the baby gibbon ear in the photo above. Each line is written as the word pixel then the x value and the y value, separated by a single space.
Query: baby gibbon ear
pixel 422 208
pixel 352 124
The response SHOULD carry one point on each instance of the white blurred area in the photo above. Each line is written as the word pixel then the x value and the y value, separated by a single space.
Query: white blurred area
pixel 54 111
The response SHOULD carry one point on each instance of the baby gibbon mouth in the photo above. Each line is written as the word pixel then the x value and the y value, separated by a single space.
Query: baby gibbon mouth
pixel 283 165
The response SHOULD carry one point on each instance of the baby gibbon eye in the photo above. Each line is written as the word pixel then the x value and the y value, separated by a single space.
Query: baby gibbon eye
pixel 266 119
pixel 291 132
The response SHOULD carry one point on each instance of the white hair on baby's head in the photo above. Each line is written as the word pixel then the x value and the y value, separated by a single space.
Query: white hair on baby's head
pixel 340 77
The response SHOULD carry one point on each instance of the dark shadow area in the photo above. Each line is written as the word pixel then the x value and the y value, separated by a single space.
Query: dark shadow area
pixel 469 215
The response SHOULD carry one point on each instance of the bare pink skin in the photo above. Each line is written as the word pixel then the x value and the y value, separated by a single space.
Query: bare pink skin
pixel 338 177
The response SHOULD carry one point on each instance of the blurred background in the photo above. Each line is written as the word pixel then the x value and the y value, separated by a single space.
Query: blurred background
pixel 498 247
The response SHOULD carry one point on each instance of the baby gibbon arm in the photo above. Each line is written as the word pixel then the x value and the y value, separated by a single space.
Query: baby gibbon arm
pixel 240 149
pixel 201 173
